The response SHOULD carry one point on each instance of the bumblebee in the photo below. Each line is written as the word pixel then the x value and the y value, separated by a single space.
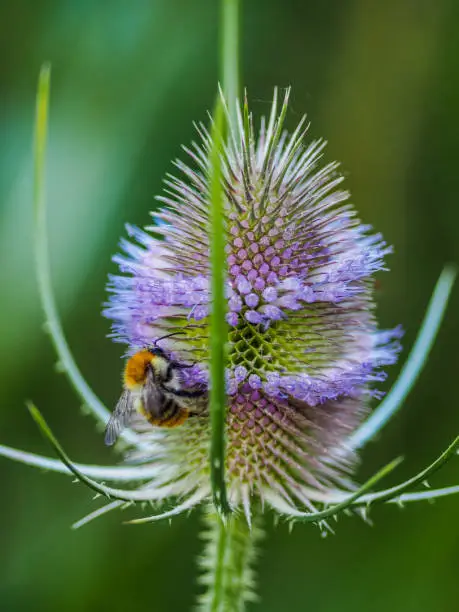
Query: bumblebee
pixel 153 387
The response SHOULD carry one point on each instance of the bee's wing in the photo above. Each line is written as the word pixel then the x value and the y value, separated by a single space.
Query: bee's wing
pixel 152 396
pixel 120 418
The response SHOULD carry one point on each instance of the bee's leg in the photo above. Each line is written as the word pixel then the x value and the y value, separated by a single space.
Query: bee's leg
pixel 182 366
pixel 190 394
pixel 175 365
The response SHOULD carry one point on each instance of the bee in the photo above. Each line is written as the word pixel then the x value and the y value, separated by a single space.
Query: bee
pixel 153 387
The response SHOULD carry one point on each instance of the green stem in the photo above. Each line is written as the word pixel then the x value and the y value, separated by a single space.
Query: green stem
pixel 229 68
pixel 227 563
pixel 218 326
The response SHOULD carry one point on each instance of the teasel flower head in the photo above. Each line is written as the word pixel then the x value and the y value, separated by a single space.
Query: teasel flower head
pixel 305 355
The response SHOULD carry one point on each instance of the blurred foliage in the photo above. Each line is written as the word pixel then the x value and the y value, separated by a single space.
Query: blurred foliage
pixel 379 80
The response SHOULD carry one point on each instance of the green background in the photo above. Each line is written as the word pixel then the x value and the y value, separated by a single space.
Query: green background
pixel 380 81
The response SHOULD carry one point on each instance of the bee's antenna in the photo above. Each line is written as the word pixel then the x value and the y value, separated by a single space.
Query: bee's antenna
pixel 155 343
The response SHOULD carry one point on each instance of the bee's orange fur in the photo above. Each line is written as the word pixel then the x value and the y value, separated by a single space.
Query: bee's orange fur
pixel 136 369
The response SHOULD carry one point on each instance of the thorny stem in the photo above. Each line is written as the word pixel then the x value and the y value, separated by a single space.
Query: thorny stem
pixel 230 549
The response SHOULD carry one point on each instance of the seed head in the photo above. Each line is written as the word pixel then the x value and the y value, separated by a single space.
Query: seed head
pixel 304 348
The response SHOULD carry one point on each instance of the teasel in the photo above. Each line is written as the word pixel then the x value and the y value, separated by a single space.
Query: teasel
pixel 304 352
pixel 305 356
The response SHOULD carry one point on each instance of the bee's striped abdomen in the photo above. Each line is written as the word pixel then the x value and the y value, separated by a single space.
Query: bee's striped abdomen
pixel 172 414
